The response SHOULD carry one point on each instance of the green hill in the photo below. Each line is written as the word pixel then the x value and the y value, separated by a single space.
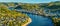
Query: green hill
pixel 11 18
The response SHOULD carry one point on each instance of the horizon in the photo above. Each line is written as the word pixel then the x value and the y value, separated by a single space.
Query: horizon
pixel 30 1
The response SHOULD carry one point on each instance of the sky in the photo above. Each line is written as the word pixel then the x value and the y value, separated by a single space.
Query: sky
pixel 29 1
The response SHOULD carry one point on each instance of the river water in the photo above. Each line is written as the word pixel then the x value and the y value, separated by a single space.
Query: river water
pixel 40 20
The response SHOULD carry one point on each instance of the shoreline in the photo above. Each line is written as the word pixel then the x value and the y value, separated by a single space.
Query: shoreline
pixel 29 21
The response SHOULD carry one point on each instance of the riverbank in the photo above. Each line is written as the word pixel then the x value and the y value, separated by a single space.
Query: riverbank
pixel 39 12
pixel 36 20
pixel 29 21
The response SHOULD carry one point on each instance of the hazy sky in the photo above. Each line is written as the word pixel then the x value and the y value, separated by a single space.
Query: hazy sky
pixel 28 1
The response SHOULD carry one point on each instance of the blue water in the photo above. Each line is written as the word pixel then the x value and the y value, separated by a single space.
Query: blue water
pixel 40 21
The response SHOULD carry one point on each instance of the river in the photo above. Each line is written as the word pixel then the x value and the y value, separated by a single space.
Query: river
pixel 40 20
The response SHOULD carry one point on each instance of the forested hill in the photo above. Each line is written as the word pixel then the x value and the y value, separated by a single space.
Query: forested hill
pixel 30 6
pixel 54 5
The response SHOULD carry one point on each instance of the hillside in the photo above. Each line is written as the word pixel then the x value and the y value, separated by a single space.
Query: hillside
pixel 9 16
pixel 12 18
